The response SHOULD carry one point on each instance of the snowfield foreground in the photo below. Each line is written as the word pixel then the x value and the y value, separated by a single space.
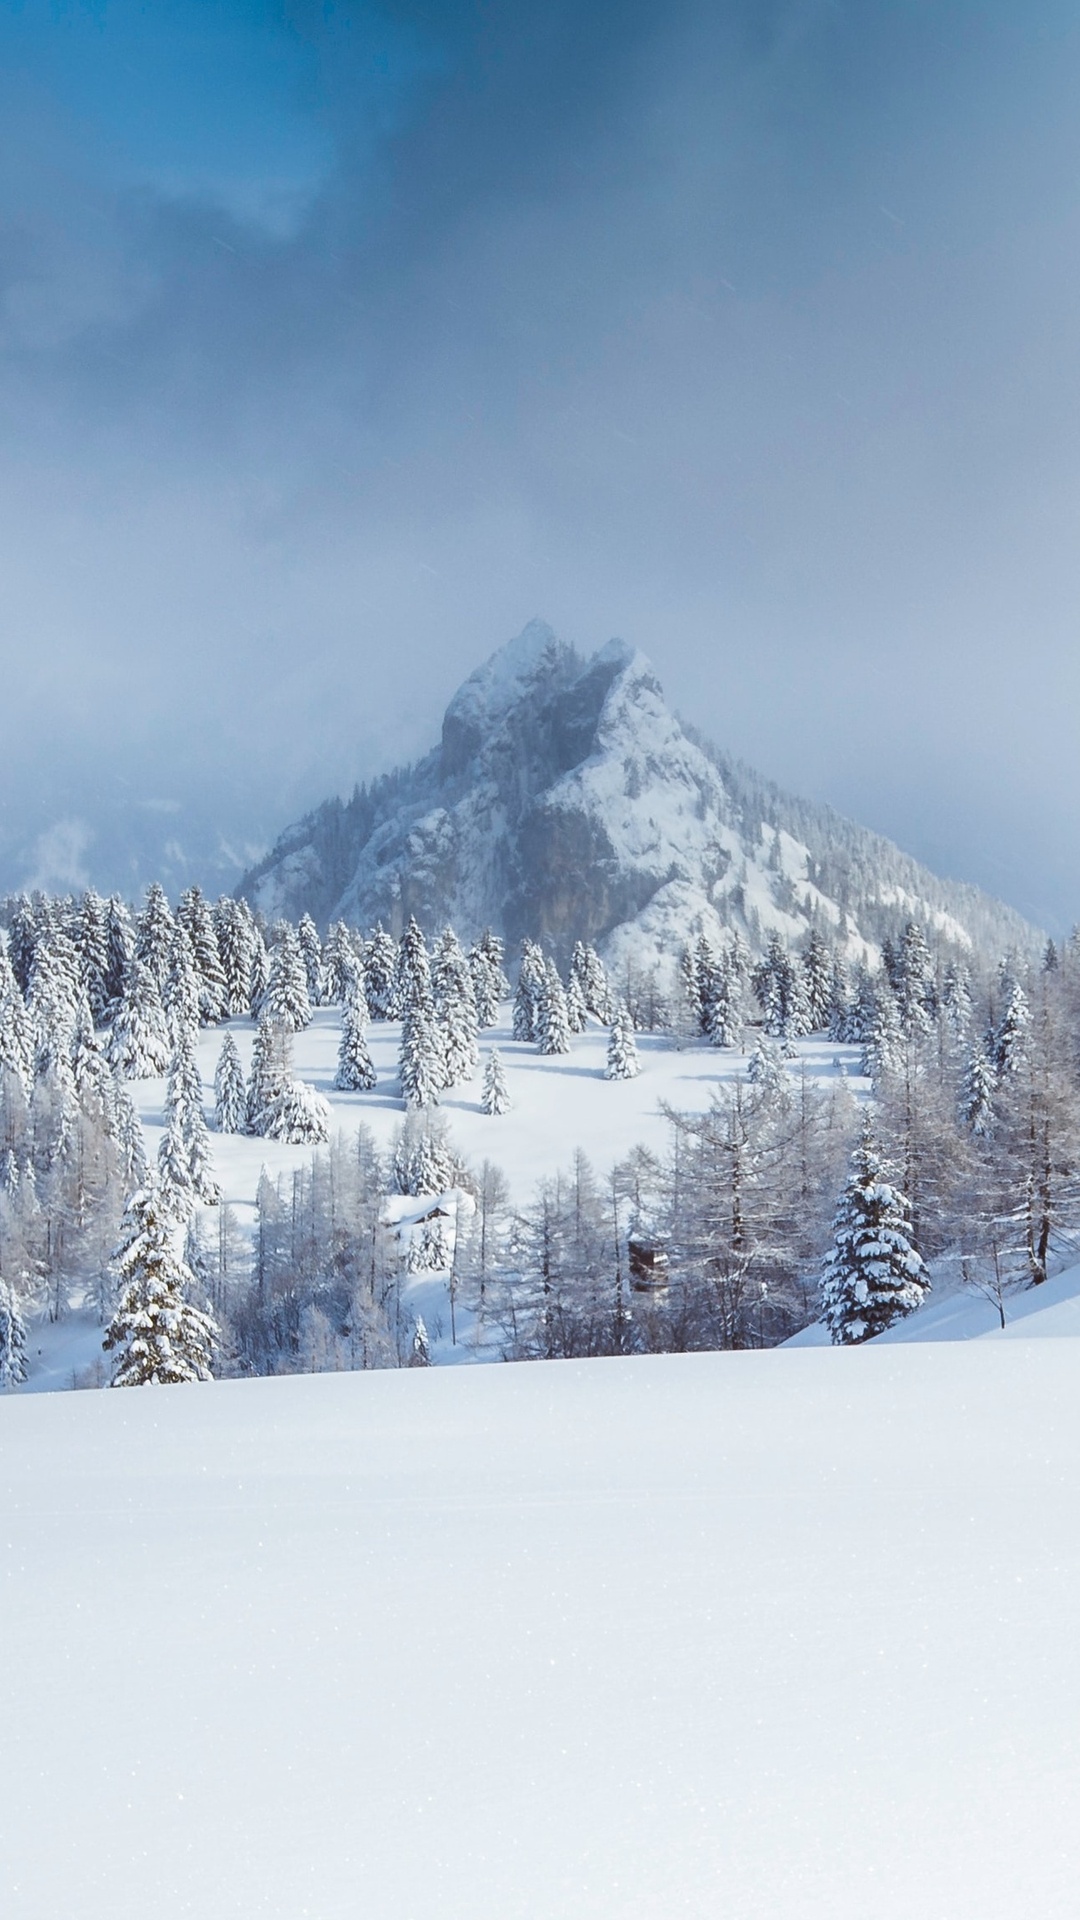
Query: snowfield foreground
pixel 787 1634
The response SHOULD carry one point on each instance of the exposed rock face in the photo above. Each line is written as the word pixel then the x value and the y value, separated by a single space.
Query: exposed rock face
pixel 565 801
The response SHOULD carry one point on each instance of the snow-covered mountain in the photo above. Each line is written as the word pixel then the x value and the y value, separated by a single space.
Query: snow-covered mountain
pixel 565 800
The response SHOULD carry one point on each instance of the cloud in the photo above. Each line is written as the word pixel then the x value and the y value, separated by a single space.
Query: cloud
pixel 59 858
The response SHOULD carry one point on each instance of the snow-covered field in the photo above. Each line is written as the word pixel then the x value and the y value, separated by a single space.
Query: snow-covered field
pixel 559 1103
pixel 772 1636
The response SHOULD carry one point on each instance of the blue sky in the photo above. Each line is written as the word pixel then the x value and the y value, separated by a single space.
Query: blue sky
pixel 337 342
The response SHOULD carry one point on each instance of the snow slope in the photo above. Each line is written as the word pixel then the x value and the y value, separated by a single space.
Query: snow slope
pixel 772 1636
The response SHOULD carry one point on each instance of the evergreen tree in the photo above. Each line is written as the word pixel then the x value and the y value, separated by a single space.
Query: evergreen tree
pixel 490 985
pixel 977 1094
pixel 420 1356
pixel 881 1036
pixel 153 934
pixel 455 1008
pixel 120 947
pixel 413 972
pixel 355 1072
pixel 175 1183
pixel 138 1043
pixel 913 982
pixel 180 994
pixel 552 1026
pixel 130 1142
pixel 527 993
pixel 298 1115
pixel 780 992
pixel 817 981
pixel 765 1071
pixel 92 947
pixel 1011 1032
pixel 576 1010
pixel 722 1009
pixel 286 998
pixel 230 1092
pixel 271 1069
pixel 380 975
pixel 312 955
pixel 874 1276
pixel 159 1336
pixel 690 987
pixel 421 1067
pixel 237 940
pixel 622 1056
pixel 196 917
pixel 13 1359
pixel 342 966
pixel 840 1022
pixel 495 1097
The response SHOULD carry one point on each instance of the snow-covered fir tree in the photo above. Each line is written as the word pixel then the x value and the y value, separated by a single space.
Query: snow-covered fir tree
pixel 765 1071
pixel 237 941
pixel 977 1094
pixel 342 965
pixel 286 998
pixel 817 972
pixel 175 1184
pixel 311 952
pixel 420 1354
pixel 490 985
pixel 722 1003
pixel 881 1036
pixel 180 994
pixel 195 915
pixel 552 1025
pixel 271 1067
pixel 160 1337
pixel 355 1071
pixel 139 1043
pixel 297 1114
pixel 380 975
pixel 576 1011
pixel 622 1053
pixel 230 1090
pixel 14 1364
pixel 421 1064
pixel 120 944
pixel 92 946
pixel 153 934
pixel 495 1096
pixel 781 994
pixel 530 983
pixel 455 1008
pixel 413 971
pixel 874 1275
pixel 1010 1034
pixel 588 969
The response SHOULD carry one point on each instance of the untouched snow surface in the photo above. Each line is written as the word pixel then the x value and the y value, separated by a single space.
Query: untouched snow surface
pixel 767 1636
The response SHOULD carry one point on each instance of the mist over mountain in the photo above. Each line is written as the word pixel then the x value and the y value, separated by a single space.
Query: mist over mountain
pixel 566 801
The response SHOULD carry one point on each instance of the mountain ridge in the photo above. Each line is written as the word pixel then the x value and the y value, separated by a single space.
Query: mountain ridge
pixel 565 800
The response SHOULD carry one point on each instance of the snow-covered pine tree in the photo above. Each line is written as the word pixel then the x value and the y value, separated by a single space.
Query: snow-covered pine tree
pixel 286 998
pixel 593 981
pixel 130 1141
pixel 552 1025
pixel 495 1097
pixel 298 1115
pixel 138 1043
pixel 89 1067
pixel 455 1008
pixel 723 1009
pixel 420 1355
pixel 180 994
pixel 355 1072
pixel 13 1358
pixel 781 996
pixel 92 947
pixel 956 1003
pixel 158 1334
pixel 271 1069
pixel 576 1010
pixel 120 942
pixel 530 983
pixel 230 1092
pixel 765 1071
pixel 421 1065
pixel 622 1055
pixel 977 1094
pixel 881 1039
pixel 380 975
pixel 817 972
pixel 175 1183
pixel 16 1049
pixel 413 971
pixel 312 955
pixel 236 939
pixel 873 1276
pixel 195 915
pixel 342 965
pixel 1010 1034
pixel 153 934
pixel 840 1021
pixel 914 982
pixel 690 987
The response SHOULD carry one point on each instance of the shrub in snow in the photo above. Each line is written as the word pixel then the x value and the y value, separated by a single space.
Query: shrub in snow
pixel 874 1276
